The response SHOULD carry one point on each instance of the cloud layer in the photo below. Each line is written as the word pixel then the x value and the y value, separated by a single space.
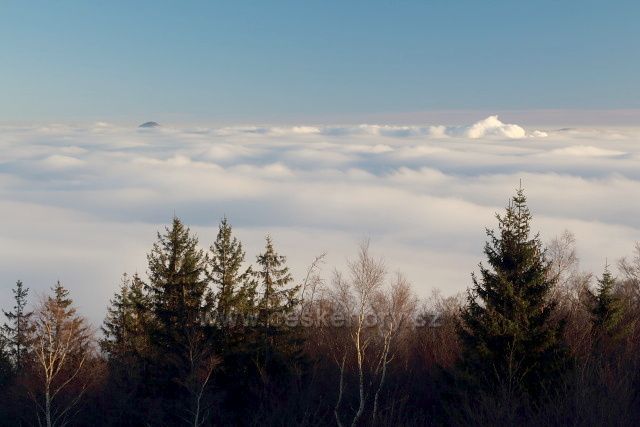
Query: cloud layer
pixel 82 203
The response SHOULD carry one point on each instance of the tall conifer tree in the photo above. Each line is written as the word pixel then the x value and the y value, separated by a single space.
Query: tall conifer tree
pixel 233 285
pixel 125 326
pixel 115 328
pixel 607 312
pixel 18 332
pixel 126 344
pixel 509 340
pixel 277 301
pixel 177 284
pixel 181 335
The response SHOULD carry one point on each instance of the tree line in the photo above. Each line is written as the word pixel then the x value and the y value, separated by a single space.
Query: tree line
pixel 206 338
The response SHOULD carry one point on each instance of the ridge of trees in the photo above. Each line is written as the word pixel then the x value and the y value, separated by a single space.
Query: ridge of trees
pixel 206 338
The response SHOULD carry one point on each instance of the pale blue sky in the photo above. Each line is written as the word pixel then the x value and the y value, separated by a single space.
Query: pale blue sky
pixel 291 60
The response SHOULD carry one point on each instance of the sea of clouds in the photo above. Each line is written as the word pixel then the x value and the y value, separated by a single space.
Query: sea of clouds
pixel 82 204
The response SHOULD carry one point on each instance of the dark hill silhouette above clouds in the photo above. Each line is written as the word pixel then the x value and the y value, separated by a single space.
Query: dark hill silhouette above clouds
pixel 149 125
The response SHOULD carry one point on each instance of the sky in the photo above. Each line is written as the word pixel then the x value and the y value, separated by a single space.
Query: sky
pixel 289 61
pixel 321 123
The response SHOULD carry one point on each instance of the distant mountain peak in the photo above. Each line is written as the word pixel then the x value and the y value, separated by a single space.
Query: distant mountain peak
pixel 149 125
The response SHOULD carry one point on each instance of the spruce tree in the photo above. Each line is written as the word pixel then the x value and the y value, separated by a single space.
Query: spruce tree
pixel 177 284
pixel 232 304
pixel 181 336
pixel 18 332
pixel 125 343
pixel 277 301
pixel 125 326
pixel 61 297
pixel 142 320
pixel 509 340
pixel 233 285
pixel 607 312
pixel 115 326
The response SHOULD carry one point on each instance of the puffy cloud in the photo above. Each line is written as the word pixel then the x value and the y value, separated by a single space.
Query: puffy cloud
pixel 492 126
pixel 539 134
pixel 488 127
pixel 81 204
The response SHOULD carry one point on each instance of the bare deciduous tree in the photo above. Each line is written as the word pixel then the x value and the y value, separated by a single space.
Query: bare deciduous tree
pixel 561 252
pixel 201 365
pixel 63 346
pixel 570 292
pixel 630 269
pixel 395 308
pixel 376 317
pixel 312 281
pixel 367 277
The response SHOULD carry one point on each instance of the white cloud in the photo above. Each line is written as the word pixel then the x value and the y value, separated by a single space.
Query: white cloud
pixel 488 127
pixel 492 126
pixel 587 151
pixel 82 204
pixel 58 161
pixel 539 134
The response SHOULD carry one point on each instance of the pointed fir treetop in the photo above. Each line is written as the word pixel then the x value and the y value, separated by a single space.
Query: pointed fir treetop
pixel 506 322
pixel 61 299
pixel 18 332
pixel 273 266
pixel 20 294
pixel 234 286
pixel 517 259
pixel 175 258
pixel 277 302
pixel 127 316
pixel 517 219
pixel 176 241
pixel 113 327
pixel 275 276
pixel 227 257
pixel 608 309
pixel 136 293
pixel 177 285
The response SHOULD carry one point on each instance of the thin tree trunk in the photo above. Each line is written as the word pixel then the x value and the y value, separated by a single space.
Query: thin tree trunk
pixel 336 410
pixel 360 369
pixel 385 362
pixel 47 405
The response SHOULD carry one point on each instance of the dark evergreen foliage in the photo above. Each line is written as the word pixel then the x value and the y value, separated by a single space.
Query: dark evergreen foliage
pixel 233 286
pixel 510 342
pixel 608 311
pixel 208 340
pixel 277 302
pixel 177 285
pixel 233 294
pixel 180 333
pixel 18 332
pixel 126 345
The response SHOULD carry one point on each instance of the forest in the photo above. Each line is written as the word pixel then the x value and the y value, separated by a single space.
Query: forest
pixel 209 338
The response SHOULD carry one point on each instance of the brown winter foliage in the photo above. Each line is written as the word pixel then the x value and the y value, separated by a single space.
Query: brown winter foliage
pixel 358 348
